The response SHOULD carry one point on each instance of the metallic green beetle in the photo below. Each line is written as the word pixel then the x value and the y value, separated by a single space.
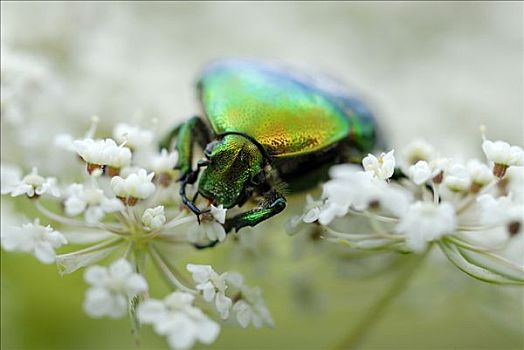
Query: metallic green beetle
pixel 266 126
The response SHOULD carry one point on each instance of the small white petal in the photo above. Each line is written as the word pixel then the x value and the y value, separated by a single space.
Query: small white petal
pixel 219 213
pixel 420 172
pixel 479 172
pixel 415 151
pixel 235 279
pixel 176 318
pixel 164 162
pixel 103 152
pixel 214 231
pixel 45 253
pixel 208 290
pixel 96 276
pixel 223 304
pixel 150 310
pixel 120 269
pixel 243 312
pixel 208 331
pixel 94 214
pixel 500 152
pixel 457 178
pixel 201 273
pixel 74 206
pixel 100 302
pixel 184 334
pixel 311 215
pixel 135 284
pixel 154 217
pixel 382 167
pixel 179 300
pixel 138 185
pixel 425 222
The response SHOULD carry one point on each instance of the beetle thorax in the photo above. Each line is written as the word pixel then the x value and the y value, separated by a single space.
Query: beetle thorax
pixel 234 161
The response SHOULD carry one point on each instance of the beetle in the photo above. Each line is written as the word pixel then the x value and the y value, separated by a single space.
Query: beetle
pixel 266 125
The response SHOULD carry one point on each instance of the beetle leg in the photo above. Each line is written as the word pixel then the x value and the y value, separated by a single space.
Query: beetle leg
pixel 273 205
pixel 194 130
pixel 257 215
pixel 186 134
pixel 167 141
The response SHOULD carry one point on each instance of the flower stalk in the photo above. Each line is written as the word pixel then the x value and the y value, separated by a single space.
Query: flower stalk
pixel 377 311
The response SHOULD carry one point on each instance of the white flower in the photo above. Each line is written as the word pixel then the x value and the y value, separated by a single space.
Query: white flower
pixel 164 162
pixel 438 167
pixel 382 167
pixel 500 152
pixel 347 187
pixel 133 136
pixel 457 178
pixel 360 190
pixel 250 308
pixel 499 211
pixel 479 172
pixel 210 230
pixel 425 222
pixel 31 185
pixel 154 217
pixel 420 173
pixel 210 226
pixel 92 201
pixel 103 152
pixel 41 241
pixel 137 185
pixel 312 210
pixel 213 287
pixel 176 318
pixel 415 151
pixel 110 289
pixel 395 200
pixel 254 312
pixel 323 211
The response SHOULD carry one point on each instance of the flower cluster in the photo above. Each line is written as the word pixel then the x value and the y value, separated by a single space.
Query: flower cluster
pixel 127 210
pixel 427 200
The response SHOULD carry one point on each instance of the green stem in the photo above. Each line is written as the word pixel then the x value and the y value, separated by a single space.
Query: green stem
pixel 378 309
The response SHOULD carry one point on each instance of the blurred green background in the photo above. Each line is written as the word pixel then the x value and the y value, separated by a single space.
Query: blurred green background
pixel 432 70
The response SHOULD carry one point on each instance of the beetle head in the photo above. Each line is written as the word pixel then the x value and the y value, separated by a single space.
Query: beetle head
pixel 234 161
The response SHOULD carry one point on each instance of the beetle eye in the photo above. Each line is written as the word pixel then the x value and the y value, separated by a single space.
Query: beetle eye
pixel 209 148
pixel 259 178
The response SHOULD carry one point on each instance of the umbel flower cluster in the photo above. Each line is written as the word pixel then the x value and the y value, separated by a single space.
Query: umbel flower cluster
pixel 125 215
pixel 427 200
